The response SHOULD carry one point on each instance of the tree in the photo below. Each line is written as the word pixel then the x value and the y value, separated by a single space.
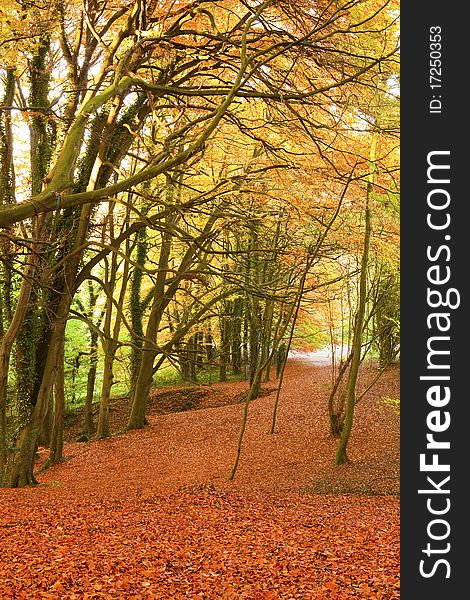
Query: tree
pixel 150 89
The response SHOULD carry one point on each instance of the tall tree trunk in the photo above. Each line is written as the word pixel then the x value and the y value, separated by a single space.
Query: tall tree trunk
pixel 40 129
pixel 102 429
pixel 137 418
pixel 270 285
pixel 341 453
pixel 7 196
pixel 336 409
pixel 192 352
pixel 224 321
pixel 136 305
pixel 254 318
pixel 29 353
pixel 89 426
pixel 57 434
pixel 46 427
pixel 110 344
pixel 267 337
pixel 20 465
pixel 236 336
pixel 11 334
pixel 20 471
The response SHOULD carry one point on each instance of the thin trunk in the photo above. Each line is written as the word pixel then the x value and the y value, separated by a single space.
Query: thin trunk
pixel 267 334
pixel 136 308
pixel 332 342
pixel 192 351
pixel 110 344
pixel 46 427
pixel 7 168
pixel 224 342
pixel 336 411
pixel 7 196
pixel 269 276
pixel 253 310
pixel 57 435
pixel 253 393
pixel 89 426
pixel 137 418
pixel 236 336
pixel 341 453
pixel 311 257
pixel 41 135
pixel 109 349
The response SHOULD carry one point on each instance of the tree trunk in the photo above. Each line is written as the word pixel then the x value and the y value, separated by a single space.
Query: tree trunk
pixel 267 337
pixel 136 308
pixel 9 338
pixel 162 296
pixel 341 454
pixel 20 467
pixel 7 196
pixel 236 336
pixel 102 430
pixel 110 344
pixel 193 358
pixel 224 342
pixel 21 463
pixel 57 435
pixel 143 383
pixel 336 410
pixel 28 359
pixel 46 427
pixel 89 426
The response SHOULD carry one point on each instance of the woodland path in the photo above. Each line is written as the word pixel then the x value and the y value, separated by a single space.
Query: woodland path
pixel 151 514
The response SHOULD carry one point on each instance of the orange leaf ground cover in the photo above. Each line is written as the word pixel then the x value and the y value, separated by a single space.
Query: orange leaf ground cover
pixel 151 514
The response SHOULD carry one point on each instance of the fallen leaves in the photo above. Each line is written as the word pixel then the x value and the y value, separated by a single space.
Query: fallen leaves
pixel 151 514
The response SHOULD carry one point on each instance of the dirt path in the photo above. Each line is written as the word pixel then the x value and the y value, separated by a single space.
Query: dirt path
pixel 152 514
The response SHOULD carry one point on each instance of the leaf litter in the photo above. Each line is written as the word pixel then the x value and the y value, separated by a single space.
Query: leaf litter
pixel 151 514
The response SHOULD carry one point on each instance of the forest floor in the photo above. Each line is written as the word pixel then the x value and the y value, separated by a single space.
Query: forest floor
pixel 152 514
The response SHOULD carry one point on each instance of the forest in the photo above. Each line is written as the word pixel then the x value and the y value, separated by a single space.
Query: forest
pixel 199 249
